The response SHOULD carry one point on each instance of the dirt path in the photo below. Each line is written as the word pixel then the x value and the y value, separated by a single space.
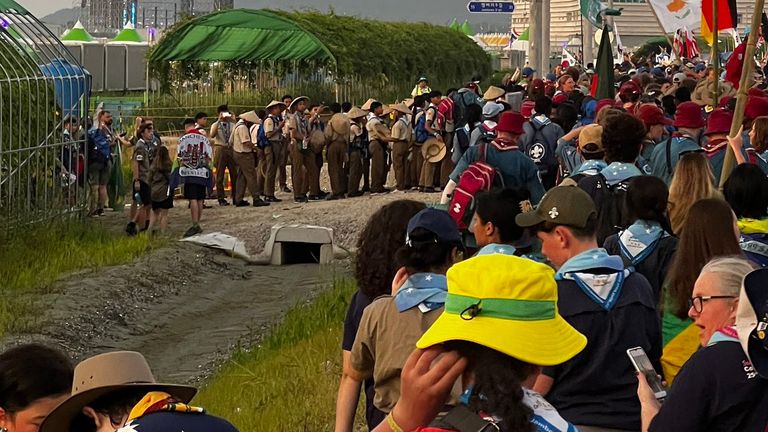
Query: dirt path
pixel 188 308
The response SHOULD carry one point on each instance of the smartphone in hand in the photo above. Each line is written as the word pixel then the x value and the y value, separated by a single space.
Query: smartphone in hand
pixel 642 364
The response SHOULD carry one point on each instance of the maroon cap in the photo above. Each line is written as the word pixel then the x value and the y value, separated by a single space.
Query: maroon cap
pixel 688 115
pixel 630 88
pixel 526 109
pixel 756 106
pixel 719 122
pixel 511 122
pixel 602 103
pixel 559 98
pixel 652 115
pixel 754 91
pixel 538 85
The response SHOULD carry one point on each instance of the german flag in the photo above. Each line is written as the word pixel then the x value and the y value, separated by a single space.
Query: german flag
pixel 726 17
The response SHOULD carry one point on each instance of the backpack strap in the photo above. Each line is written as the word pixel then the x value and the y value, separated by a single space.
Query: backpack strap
pixel 668 152
pixel 482 151
pixel 461 419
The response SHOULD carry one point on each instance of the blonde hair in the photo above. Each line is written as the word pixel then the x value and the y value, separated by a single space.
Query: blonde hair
pixel 692 181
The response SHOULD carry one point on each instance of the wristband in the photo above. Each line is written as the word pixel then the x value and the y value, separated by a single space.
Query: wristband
pixel 393 424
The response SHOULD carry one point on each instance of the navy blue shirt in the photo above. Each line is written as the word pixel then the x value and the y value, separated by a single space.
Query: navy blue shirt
pixel 178 422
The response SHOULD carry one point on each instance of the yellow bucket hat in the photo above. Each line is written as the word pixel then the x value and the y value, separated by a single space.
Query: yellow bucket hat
pixel 508 304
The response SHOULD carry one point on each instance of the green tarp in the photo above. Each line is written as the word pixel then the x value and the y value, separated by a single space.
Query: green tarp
pixel 7 5
pixel 240 34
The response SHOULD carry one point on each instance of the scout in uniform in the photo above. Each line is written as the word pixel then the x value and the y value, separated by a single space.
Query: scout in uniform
pixel 245 159
pixel 337 134
pixel 358 137
pixel 275 151
pixel 302 157
pixel 402 133
pixel 380 136
pixel 223 155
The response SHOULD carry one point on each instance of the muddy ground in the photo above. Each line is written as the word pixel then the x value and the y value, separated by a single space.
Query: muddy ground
pixel 188 308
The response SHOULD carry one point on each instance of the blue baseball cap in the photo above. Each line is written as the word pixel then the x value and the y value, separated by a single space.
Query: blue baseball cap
pixel 700 67
pixel 551 77
pixel 527 71
pixel 658 72
pixel 437 222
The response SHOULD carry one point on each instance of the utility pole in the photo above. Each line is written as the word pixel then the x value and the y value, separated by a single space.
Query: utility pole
pixel 544 26
pixel 534 37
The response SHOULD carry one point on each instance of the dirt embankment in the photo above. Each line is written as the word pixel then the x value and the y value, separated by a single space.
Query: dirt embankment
pixel 186 307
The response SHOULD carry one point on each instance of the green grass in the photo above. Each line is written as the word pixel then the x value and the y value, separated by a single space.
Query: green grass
pixel 33 259
pixel 288 382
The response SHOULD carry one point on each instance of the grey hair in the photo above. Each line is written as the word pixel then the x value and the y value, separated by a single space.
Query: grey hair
pixel 731 271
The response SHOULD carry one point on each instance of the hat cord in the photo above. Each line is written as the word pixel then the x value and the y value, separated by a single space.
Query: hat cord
pixel 471 311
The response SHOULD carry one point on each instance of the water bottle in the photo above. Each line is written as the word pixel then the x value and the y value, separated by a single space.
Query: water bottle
pixel 137 197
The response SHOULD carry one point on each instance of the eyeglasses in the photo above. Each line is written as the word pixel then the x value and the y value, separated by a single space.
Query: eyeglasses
pixel 697 303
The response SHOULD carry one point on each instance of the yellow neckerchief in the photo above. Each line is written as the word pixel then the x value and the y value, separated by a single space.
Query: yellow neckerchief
pixel 160 401
pixel 753 226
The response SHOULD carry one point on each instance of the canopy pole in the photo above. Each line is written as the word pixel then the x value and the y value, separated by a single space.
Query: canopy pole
pixel 741 95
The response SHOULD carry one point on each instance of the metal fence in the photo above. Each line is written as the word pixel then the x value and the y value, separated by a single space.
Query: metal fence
pixel 42 160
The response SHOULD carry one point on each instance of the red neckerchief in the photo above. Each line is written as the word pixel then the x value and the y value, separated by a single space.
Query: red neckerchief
pixel 752 155
pixel 715 145
pixel 729 331
pixel 486 128
pixel 504 145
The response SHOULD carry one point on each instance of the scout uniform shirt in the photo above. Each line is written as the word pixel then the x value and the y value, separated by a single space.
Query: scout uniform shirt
pixel 401 130
pixel 433 119
pixel 242 138
pixel 222 133
pixel 269 125
pixel 298 122
pixel 141 155
pixel 377 130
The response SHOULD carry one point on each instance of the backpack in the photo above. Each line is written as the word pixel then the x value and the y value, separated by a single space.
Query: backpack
pixel 420 130
pixel 96 143
pixel 460 419
pixel 541 152
pixel 610 204
pixel 461 100
pixel 478 177
pixel 261 136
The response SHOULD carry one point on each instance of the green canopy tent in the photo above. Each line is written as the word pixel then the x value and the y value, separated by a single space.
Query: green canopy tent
pixel 240 34
pixel 455 25
pixel 128 35
pixel 78 33
pixel 467 29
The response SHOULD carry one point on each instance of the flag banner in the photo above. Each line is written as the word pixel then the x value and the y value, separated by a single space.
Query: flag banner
pixel 619 45
pixel 676 14
pixel 591 9
pixel 567 57
pixel 726 17
pixel 735 64
pixel 604 83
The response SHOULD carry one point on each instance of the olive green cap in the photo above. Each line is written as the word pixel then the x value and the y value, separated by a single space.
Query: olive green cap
pixel 562 205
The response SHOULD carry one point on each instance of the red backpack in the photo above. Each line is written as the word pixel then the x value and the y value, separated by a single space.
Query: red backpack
pixel 478 177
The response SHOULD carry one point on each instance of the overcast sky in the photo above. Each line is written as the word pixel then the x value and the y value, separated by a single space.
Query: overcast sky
pixel 434 11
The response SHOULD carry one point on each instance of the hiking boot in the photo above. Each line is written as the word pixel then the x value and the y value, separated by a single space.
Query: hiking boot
pixel 355 194
pixel 260 203
pixel 334 197
pixel 193 230
pixel 286 189
pixel 223 202
pixel 428 190
pixel 242 203
pixel 314 198
pixel 323 194
pixel 130 229
pixel 272 199
pixel 300 200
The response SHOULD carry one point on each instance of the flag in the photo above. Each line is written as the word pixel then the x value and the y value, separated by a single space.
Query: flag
pixel 726 17
pixel 678 44
pixel 567 57
pixel 603 83
pixel 735 64
pixel 591 9
pixel 691 46
pixel 619 45
pixel 676 14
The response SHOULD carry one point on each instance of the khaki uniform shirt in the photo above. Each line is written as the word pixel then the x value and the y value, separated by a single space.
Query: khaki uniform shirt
pixel 141 155
pixel 401 130
pixel 242 138
pixel 377 130
pixel 385 339
pixel 269 126
pixel 298 123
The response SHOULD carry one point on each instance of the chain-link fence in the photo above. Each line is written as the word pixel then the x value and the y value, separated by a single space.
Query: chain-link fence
pixel 43 106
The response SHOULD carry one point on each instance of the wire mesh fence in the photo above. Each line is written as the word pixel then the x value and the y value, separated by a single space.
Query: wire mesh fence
pixel 43 101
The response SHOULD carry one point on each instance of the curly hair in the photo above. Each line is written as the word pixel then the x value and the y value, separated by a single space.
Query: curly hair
pixel 383 235
pixel 623 134
pixel 498 378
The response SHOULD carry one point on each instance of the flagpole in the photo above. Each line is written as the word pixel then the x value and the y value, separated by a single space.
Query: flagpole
pixel 715 54
pixel 741 95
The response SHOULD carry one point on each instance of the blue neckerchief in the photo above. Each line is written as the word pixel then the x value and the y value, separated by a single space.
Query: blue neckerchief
pixel 429 289
pixel 595 165
pixel 495 248
pixel 604 288
pixel 721 336
pixel 640 240
pixel 617 172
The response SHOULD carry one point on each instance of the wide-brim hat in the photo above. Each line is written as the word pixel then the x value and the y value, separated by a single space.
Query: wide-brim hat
pixel 493 93
pixel 401 108
pixel 296 101
pixel 367 105
pixel 719 122
pixel 752 320
pixel 511 122
pixel 508 304
pixel 409 102
pixel 276 103
pixel 433 150
pixel 688 115
pixel 356 112
pixel 385 110
pixel 104 374
pixel 250 116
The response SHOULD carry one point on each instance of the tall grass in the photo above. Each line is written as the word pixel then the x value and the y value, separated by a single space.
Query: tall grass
pixel 33 259
pixel 288 382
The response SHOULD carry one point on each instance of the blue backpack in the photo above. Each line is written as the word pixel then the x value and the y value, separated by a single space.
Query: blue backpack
pixel 421 127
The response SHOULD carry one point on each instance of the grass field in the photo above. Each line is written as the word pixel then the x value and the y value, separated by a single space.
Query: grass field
pixel 288 382
pixel 33 260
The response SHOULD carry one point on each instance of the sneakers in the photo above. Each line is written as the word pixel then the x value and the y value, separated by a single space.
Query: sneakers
pixel 242 203
pixel 260 203
pixel 223 202
pixel 272 199
pixel 130 229
pixel 286 189
pixel 193 230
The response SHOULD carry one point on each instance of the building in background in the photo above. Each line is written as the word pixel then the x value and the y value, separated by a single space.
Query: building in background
pixel 636 23
pixel 107 17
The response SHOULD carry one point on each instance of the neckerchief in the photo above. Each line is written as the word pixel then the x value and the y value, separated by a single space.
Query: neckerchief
pixel 545 417
pixel 489 126
pixel 604 288
pixel 427 289
pixel 640 240
pixel 753 226
pixel 714 146
pixel 495 248
pixel 617 172
pixel 504 145
pixel 160 401
pixel 725 334
pixel 591 167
